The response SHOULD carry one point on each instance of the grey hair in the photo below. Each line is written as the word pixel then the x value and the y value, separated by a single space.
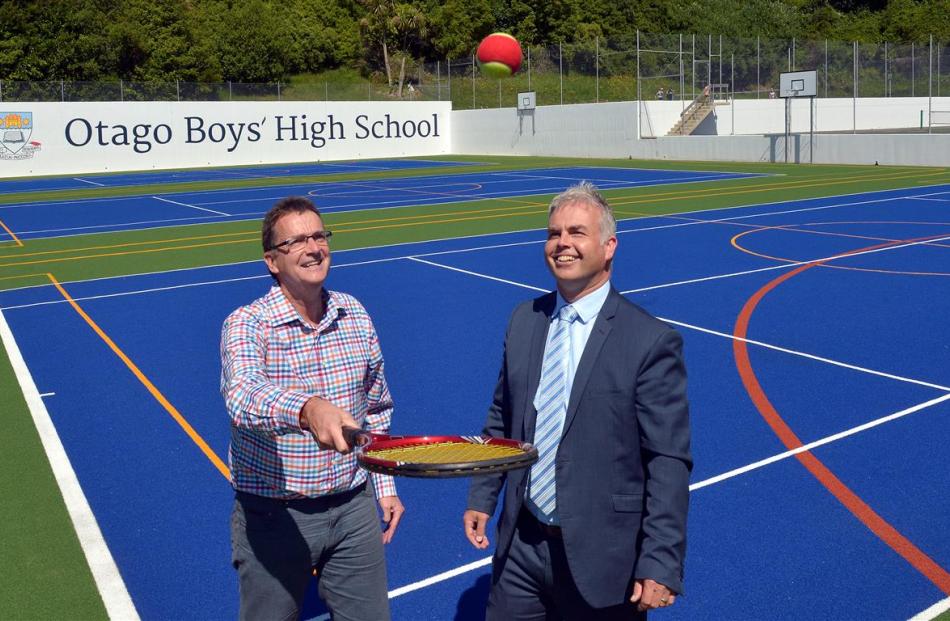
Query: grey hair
pixel 587 193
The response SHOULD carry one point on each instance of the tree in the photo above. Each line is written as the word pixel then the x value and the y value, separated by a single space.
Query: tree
pixel 400 24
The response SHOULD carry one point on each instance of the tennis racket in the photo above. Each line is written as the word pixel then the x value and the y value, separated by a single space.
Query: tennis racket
pixel 438 456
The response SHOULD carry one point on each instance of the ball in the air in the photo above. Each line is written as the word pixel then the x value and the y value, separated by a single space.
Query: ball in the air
pixel 499 55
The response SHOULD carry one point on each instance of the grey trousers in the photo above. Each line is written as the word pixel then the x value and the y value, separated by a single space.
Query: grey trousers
pixel 276 544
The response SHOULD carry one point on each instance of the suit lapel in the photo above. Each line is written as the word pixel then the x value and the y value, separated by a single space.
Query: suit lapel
pixel 595 343
pixel 543 309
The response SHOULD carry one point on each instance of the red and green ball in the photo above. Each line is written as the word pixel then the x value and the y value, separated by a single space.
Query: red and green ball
pixel 499 55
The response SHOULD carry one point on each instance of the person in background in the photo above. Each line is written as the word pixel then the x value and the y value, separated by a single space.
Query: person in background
pixel 596 528
pixel 297 366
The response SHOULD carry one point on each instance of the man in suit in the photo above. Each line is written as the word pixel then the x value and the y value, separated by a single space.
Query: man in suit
pixel 596 529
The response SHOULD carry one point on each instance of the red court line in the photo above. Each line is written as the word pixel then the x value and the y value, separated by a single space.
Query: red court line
pixel 861 510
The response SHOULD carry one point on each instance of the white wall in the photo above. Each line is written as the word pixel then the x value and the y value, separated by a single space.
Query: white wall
pixel 610 130
pixel 76 138
pixel 767 116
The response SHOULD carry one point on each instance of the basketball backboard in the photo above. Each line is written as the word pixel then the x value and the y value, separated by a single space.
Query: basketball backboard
pixel 798 84
pixel 526 101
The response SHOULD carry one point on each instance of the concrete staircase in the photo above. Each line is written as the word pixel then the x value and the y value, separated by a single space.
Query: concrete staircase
pixel 693 115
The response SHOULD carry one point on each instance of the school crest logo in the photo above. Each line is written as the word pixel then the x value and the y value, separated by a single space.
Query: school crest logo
pixel 16 128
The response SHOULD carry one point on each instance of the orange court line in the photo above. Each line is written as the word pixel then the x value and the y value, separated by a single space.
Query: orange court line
pixel 184 424
pixel 734 242
pixel 861 510
pixel 11 233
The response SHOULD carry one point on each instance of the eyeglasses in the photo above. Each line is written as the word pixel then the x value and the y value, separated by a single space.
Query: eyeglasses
pixel 299 242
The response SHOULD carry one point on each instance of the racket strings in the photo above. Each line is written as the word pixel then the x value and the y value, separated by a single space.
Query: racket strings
pixel 445 453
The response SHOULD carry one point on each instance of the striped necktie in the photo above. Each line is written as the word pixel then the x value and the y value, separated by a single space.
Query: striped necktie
pixel 551 404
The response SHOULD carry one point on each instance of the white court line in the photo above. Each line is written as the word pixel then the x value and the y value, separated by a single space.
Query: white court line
pixel 802 354
pixel 823 441
pixel 48 394
pixel 236 217
pixel 935 200
pixel 114 594
pixel 220 213
pixel 932 612
pixel 445 575
pixel 713 332
pixel 485 276
pixel 718 479
pixel 101 185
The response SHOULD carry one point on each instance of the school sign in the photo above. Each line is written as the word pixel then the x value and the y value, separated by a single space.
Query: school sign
pixel 75 138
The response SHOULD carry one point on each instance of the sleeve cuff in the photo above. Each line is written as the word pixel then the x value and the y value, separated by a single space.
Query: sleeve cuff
pixel 383 485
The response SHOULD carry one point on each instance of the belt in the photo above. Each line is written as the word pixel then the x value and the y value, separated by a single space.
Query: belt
pixel 527 520
pixel 315 504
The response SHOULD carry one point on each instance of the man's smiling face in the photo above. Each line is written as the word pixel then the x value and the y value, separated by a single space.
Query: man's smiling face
pixel 575 252
pixel 300 270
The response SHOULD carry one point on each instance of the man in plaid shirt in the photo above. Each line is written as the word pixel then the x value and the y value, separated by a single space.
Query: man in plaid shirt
pixel 298 365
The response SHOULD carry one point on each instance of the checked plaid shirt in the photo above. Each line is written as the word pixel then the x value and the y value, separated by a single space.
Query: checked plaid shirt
pixel 272 362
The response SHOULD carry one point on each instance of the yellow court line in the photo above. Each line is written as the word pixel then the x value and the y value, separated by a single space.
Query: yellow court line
pixel 37 275
pixel 11 233
pixel 756 189
pixel 123 245
pixel 254 239
pixel 63 251
pixel 692 194
pixel 197 439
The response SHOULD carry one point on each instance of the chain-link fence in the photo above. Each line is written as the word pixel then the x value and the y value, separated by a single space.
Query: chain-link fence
pixel 640 66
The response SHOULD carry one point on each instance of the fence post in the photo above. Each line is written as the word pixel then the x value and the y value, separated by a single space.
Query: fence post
pixel 886 78
pixel 560 71
pixel 732 88
pixel 826 68
pixel 692 92
pixel 758 68
pixel 794 60
pixel 229 90
pixel 720 59
pixel 854 87
pixel 930 86
pixel 1 90
pixel 473 80
pixel 682 75
pixel 438 78
pixel 913 67
pixel 278 90
pixel 177 90
pixel 121 91
pixel 62 90
pixel 448 72
pixel 639 91
pixel 597 69
pixel 529 69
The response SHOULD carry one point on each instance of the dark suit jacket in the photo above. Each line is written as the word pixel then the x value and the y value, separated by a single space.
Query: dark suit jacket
pixel 623 464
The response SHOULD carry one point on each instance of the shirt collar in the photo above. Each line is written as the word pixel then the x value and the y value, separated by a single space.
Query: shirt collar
pixel 283 312
pixel 588 306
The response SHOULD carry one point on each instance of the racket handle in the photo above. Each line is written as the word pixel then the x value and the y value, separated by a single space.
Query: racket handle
pixel 356 437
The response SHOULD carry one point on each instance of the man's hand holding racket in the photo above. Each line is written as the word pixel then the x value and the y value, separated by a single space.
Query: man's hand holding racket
pixel 325 422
